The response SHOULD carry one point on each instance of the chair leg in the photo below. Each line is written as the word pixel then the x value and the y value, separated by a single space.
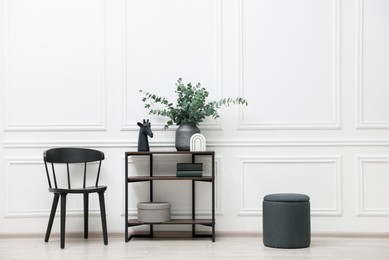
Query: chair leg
pixel 103 218
pixel 52 215
pixel 63 218
pixel 86 208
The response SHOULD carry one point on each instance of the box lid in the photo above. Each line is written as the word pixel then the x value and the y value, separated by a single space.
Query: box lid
pixel 153 205
pixel 287 197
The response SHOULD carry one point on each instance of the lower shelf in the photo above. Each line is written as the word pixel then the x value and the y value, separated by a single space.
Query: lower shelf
pixel 193 222
pixel 170 234
pixel 206 222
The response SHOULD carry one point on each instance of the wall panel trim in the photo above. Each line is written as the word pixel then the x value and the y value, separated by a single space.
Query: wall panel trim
pixel 336 81
pixel 40 126
pixel 132 211
pixel 33 213
pixel 332 159
pixel 169 143
pixel 130 126
pixel 362 211
pixel 362 123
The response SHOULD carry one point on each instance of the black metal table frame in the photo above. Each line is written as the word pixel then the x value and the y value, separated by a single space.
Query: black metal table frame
pixel 152 178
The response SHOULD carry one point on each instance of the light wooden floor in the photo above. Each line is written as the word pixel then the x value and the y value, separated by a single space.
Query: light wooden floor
pixel 225 247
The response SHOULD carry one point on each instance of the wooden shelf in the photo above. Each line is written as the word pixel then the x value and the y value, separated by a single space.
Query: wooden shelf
pixel 168 178
pixel 171 152
pixel 170 234
pixel 207 222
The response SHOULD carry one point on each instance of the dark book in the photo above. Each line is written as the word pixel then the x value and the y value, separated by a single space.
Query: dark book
pixel 189 173
pixel 189 166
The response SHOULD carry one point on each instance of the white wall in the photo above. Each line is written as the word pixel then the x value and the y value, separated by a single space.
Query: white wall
pixel 314 72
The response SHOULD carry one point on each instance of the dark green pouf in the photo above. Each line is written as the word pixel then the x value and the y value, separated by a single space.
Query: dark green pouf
pixel 286 220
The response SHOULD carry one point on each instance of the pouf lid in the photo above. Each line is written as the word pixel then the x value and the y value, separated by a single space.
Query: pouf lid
pixel 153 205
pixel 286 197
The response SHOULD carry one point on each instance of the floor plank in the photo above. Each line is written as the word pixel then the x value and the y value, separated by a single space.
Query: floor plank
pixel 225 247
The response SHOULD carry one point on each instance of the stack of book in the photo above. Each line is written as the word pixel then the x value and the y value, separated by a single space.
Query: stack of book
pixel 189 170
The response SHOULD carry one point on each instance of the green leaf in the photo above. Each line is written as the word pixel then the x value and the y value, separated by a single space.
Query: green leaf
pixel 191 106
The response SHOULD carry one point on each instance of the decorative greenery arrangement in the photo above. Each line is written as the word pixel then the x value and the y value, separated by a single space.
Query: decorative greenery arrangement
pixel 191 106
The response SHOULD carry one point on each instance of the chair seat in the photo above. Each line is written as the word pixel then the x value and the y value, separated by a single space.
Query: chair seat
pixel 89 189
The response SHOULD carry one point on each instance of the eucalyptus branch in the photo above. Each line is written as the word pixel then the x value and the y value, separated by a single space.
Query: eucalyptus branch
pixel 191 105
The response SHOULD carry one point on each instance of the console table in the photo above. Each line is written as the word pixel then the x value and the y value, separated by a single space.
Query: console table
pixel 151 178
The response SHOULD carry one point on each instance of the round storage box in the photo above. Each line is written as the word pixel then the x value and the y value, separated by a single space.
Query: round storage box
pixel 286 220
pixel 153 212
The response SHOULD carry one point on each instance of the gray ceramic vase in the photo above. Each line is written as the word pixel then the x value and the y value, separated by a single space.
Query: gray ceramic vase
pixel 183 135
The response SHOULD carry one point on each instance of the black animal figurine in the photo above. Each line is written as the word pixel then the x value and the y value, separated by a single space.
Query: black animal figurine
pixel 144 131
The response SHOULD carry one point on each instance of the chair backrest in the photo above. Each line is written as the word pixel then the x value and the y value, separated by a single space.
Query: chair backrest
pixel 66 155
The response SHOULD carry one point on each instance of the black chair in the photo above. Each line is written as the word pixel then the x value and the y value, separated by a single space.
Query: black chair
pixel 80 157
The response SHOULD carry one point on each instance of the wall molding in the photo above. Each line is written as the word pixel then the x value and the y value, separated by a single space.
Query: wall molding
pixel 54 127
pixel 336 81
pixel 169 143
pixel 40 126
pixel 132 211
pixel 362 123
pixel 131 126
pixel 331 159
pixel 32 213
pixel 362 211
